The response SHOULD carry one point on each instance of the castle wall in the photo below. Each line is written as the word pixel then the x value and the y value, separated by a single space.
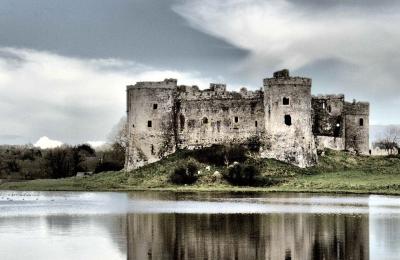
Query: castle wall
pixel 357 127
pixel 288 124
pixel 216 116
pixel 150 122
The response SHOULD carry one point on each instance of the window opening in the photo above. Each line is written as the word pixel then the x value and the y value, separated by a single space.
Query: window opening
pixel 285 101
pixel 288 120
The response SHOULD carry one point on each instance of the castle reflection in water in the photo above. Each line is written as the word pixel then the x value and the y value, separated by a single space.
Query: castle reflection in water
pixel 247 236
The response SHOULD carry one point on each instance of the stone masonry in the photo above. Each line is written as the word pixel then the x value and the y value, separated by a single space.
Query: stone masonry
pixel 290 123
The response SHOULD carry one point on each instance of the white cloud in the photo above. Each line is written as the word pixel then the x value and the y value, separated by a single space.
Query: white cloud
pixel 71 99
pixel 44 142
pixel 357 46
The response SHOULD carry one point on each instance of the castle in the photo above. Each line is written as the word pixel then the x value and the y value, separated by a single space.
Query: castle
pixel 290 124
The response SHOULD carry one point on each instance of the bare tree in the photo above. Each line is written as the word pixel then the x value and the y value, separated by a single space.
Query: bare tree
pixel 390 140
pixel 119 133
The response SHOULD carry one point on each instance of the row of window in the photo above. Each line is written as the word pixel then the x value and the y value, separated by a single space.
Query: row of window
pixel 287 120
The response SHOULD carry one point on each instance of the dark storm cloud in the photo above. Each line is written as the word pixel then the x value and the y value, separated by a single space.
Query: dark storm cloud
pixel 146 31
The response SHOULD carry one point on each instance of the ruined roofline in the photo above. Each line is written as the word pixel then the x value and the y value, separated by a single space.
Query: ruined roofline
pixel 356 103
pixel 169 83
pixel 287 81
pixel 356 108
pixel 218 90
pixel 328 96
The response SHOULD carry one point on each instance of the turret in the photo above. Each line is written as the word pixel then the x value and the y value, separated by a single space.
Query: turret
pixel 150 108
pixel 288 124
pixel 357 127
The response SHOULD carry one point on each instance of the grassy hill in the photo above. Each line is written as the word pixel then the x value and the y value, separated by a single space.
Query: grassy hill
pixel 338 172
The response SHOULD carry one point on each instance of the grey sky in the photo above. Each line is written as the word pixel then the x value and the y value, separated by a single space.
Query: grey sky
pixel 64 64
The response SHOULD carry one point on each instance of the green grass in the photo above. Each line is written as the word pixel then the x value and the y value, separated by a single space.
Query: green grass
pixel 337 172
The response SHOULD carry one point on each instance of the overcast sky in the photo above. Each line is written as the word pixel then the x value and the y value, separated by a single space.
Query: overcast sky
pixel 64 65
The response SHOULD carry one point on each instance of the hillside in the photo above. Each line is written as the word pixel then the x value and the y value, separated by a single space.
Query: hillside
pixel 338 172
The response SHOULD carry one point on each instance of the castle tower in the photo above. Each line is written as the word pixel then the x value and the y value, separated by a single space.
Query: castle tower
pixel 357 127
pixel 288 124
pixel 150 114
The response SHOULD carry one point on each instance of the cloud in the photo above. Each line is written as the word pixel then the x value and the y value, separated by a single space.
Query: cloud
pixel 44 142
pixel 356 42
pixel 70 99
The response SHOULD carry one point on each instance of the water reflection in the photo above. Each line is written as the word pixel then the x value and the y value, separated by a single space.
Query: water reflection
pixel 151 225
pixel 247 236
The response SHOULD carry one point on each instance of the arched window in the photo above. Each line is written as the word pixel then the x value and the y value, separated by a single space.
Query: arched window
pixel 205 120
pixel 288 120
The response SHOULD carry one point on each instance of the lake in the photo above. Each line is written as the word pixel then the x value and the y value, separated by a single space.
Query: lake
pixel 166 225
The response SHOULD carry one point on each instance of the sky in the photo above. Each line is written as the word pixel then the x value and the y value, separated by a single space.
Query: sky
pixel 64 65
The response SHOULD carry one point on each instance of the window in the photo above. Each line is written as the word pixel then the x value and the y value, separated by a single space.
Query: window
pixel 205 120
pixel 361 121
pixel 329 109
pixel 323 105
pixel 236 119
pixel 288 120
pixel 285 101
pixel 218 126
pixel 256 123
pixel 149 124
pixel 182 121
pixel 155 106
pixel 336 131
pixel 152 150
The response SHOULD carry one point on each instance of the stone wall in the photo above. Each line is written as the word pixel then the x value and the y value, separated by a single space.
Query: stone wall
pixel 216 116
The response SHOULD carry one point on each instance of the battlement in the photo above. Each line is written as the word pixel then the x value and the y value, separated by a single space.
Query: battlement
pixel 356 108
pixel 216 91
pixel 166 84
pixel 283 78
pixel 328 96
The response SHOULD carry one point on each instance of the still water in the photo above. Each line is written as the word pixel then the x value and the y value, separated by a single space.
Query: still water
pixel 163 225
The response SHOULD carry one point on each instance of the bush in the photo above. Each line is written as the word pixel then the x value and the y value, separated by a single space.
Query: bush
pixel 220 154
pixel 243 175
pixel 185 173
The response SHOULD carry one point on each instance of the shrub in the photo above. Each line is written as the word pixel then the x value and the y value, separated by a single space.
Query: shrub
pixel 220 154
pixel 185 173
pixel 243 175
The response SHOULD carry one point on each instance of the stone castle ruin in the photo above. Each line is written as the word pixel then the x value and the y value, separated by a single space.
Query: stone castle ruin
pixel 290 123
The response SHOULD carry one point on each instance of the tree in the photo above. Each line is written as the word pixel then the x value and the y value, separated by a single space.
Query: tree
pixel 390 140
pixel 119 133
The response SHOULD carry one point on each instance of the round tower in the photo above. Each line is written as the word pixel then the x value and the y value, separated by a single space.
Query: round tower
pixel 288 124
pixel 150 115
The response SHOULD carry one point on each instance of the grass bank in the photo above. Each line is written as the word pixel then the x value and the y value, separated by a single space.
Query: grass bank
pixel 337 172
